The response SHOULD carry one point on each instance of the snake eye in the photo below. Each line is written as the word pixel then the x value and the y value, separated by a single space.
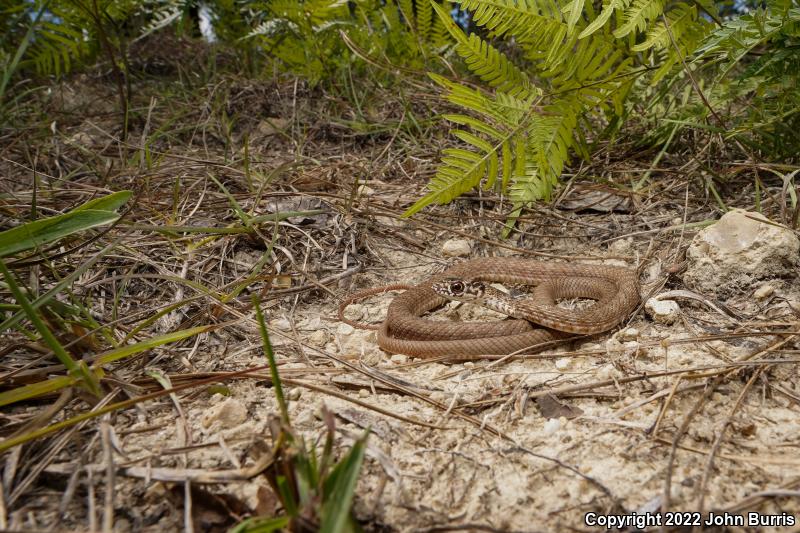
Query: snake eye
pixel 457 287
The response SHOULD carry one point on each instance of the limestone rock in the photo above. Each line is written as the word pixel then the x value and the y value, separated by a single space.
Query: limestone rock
pixel 662 311
pixel 739 249
pixel 763 291
pixel 456 248
pixel 225 415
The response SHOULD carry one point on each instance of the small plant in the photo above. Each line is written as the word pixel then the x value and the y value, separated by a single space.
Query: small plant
pixel 316 491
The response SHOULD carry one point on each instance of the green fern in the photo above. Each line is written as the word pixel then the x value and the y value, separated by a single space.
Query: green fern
pixel 485 60
pixel 526 147
pixel 586 63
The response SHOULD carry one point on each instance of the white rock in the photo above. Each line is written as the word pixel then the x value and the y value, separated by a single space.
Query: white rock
pixel 318 338
pixel 628 334
pixel 355 342
pixel 281 324
pixel 344 329
pixel 551 426
pixel 456 248
pixel 606 372
pixel 621 246
pixel 563 363
pixel 363 393
pixel 225 415
pixel 662 311
pixel 399 359
pixel 354 312
pixel 294 394
pixel 366 190
pixel 763 291
pixel 310 324
pixel 740 248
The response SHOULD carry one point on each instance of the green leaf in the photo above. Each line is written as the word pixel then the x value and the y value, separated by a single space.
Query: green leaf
pixel 602 18
pixel 34 390
pixel 97 212
pixel 340 487
pixel 133 349
pixel 261 524
pixel 112 202
pixel 575 10
pixel 47 230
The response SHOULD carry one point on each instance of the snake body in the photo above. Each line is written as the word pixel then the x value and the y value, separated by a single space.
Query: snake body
pixel 540 320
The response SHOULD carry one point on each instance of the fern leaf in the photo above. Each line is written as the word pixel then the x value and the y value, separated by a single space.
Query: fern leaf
pixel 439 30
pixel 609 7
pixel 469 98
pixel 519 19
pixel 485 60
pixel 488 149
pixel 679 18
pixel 573 10
pixel 424 19
pixel 462 173
pixel 475 124
pixel 637 17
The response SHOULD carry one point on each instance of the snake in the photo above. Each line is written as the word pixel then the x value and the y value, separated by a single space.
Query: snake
pixel 536 321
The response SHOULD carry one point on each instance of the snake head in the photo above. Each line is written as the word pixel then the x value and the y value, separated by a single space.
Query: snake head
pixel 459 289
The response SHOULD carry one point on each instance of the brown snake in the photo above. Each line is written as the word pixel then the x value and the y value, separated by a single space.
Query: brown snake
pixel 615 289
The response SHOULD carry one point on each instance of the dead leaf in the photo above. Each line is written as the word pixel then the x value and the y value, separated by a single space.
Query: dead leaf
pixel 551 407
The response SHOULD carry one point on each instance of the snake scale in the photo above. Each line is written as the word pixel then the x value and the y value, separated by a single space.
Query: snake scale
pixel 405 331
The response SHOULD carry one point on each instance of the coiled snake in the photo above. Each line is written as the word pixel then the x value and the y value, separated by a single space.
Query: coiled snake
pixel 538 319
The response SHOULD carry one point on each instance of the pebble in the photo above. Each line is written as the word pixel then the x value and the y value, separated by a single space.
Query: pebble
pixel 318 338
pixel 281 324
pixel 456 248
pixel 354 312
pixel 344 329
pixel 399 359
pixel 225 415
pixel 763 291
pixel 628 334
pixel 551 426
pixel 662 311
pixel 563 363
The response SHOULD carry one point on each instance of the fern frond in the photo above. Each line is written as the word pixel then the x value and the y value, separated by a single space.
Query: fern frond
pixel 687 41
pixel 522 19
pixel 485 60
pixel 609 8
pixel 638 16
pixel 469 98
pixel 459 172
pixel 439 31
pixel 679 18
pixel 495 149
pixel 573 10
pixel 551 136
pixel 162 15
pixel 424 19
pixel 478 125
pixel 57 46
